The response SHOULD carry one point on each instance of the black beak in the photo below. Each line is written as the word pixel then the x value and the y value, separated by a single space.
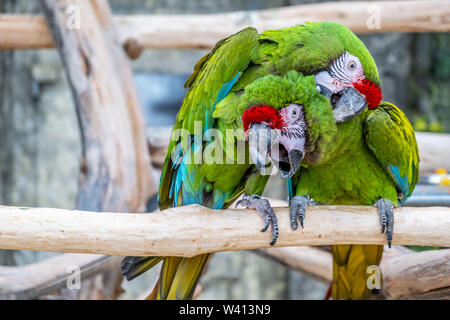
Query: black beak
pixel 295 160
pixel 351 104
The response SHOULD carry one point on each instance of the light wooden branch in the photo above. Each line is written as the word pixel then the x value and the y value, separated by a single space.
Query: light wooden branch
pixel 192 230
pixel 313 261
pixel 203 31
pixel 115 171
pixel 418 275
pixel 34 280
pixel 406 274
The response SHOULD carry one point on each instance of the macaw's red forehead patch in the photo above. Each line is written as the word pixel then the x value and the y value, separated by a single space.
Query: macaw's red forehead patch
pixel 263 113
pixel 371 91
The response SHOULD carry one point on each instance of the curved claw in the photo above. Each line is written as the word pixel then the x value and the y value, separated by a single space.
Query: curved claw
pixel 297 208
pixel 262 206
pixel 386 212
pixel 247 201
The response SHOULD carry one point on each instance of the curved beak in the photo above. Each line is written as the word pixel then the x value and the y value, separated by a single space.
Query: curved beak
pixel 295 160
pixel 288 155
pixel 347 103
pixel 351 104
pixel 261 138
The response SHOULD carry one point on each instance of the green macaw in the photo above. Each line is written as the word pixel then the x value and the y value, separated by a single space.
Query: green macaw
pixel 345 75
pixel 371 159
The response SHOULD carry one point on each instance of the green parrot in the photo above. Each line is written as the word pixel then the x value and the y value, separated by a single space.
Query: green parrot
pixel 371 159
pixel 345 75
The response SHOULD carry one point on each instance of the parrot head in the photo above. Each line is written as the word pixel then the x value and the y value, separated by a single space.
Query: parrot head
pixel 280 135
pixel 286 122
pixel 344 69
pixel 344 83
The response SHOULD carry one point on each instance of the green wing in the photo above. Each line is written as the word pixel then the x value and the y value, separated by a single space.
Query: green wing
pixel 390 136
pixel 212 80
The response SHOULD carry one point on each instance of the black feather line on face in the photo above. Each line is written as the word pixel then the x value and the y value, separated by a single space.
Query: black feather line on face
pixel 295 132
pixel 337 68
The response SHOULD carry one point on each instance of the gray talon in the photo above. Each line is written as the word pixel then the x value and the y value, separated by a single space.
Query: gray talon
pixel 297 208
pixel 262 206
pixel 386 212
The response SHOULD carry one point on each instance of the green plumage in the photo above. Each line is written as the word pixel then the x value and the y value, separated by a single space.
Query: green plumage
pixel 354 168
pixel 231 78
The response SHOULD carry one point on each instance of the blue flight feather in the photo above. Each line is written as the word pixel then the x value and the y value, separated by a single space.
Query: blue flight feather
pixel 402 182
pixel 181 178
pixel 290 189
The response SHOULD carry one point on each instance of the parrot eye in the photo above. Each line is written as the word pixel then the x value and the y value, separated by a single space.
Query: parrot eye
pixel 352 65
pixel 294 113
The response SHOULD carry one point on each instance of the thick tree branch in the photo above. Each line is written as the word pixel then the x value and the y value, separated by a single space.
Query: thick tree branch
pixel 204 30
pixel 406 274
pixel 115 171
pixel 417 275
pixel 192 230
pixel 36 279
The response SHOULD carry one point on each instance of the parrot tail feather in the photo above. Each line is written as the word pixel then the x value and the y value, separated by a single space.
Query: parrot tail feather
pixel 350 265
pixel 179 278
pixel 135 266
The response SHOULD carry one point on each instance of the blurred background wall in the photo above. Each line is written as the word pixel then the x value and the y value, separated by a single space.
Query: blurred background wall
pixel 40 143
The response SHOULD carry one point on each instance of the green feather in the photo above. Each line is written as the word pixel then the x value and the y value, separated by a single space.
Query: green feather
pixel 239 72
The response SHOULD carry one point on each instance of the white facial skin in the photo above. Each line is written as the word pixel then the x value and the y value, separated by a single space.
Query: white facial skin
pixel 293 133
pixel 341 73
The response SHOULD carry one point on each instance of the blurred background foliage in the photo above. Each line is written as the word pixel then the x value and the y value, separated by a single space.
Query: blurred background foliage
pixel 40 143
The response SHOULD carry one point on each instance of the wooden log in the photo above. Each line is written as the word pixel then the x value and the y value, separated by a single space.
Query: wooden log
pixel 406 274
pixel 193 230
pixel 115 171
pixel 309 260
pixel 315 261
pixel 418 275
pixel 36 279
pixel 202 31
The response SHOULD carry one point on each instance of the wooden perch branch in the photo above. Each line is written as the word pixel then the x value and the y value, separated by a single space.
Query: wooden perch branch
pixel 420 275
pixel 204 30
pixel 406 274
pixel 313 261
pixel 36 279
pixel 192 230
pixel 115 171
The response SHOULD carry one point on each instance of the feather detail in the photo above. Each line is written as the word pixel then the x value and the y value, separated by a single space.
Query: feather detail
pixel 263 113
pixel 371 91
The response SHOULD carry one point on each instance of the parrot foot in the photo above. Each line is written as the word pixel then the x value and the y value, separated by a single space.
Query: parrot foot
pixel 262 206
pixel 386 213
pixel 297 208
